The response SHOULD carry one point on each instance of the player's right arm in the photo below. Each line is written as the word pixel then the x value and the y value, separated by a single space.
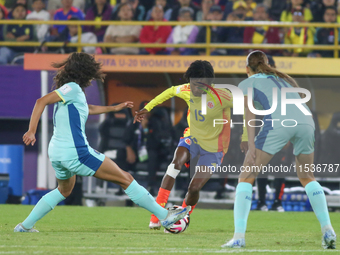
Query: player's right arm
pixel 251 133
pixel 40 104
pixel 244 85
pixel 165 95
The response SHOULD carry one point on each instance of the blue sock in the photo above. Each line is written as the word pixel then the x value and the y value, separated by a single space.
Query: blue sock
pixel 45 205
pixel 242 206
pixel 142 197
pixel 317 199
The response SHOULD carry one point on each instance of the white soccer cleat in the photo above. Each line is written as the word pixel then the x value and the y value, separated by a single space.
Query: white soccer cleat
pixel 154 226
pixel 174 215
pixel 235 243
pixel 20 228
pixel 166 231
pixel 329 239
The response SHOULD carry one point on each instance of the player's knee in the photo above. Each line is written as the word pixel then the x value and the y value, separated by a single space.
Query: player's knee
pixel 194 188
pixel 127 180
pixel 177 164
pixel 128 177
pixel 173 171
pixel 65 192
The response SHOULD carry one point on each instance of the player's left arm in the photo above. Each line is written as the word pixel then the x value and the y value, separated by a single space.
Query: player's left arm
pixel 98 109
pixel 244 137
pixel 251 133
pixel 227 102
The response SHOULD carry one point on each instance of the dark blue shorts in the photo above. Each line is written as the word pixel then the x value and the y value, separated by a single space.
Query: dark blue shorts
pixel 206 158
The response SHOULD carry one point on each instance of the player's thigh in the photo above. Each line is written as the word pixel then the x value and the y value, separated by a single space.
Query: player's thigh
pixel 250 172
pixel 62 172
pixel 186 147
pixel 209 160
pixel 110 171
pixel 303 140
pixel 273 140
pixel 268 142
pixel 65 178
pixel 181 156
pixel 200 178
pixel 207 165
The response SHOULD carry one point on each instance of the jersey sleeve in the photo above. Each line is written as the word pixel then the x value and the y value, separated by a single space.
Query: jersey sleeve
pixel 244 85
pixel 68 92
pixel 165 95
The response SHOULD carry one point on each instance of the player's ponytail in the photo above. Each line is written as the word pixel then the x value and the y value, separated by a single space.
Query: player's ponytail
pixel 257 61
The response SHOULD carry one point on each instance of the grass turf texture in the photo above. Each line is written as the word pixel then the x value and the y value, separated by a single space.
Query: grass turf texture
pixel 112 230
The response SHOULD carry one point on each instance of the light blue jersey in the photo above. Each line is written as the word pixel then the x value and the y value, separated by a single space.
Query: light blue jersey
pixel 68 143
pixel 278 129
pixel 69 118
pixel 262 86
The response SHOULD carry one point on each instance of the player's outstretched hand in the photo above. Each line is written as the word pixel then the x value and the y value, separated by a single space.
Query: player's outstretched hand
pixel 127 104
pixel 29 138
pixel 140 115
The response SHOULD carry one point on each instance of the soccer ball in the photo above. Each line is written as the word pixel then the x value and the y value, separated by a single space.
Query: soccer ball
pixel 181 225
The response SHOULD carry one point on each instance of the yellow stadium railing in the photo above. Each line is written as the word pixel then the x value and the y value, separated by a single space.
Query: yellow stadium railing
pixel 208 45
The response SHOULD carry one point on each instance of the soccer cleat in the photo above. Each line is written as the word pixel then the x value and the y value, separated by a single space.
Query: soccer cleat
pixel 174 215
pixel 235 243
pixel 20 228
pixel 262 207
pixel 329 239
pixel 277 206
pixel 166 231
pixel 154 226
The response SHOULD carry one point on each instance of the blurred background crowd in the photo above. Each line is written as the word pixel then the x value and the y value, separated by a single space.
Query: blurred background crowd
pixel 302 11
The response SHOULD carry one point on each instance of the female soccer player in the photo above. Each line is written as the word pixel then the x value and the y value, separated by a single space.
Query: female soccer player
pixel 69 150
pixel 270 140
pixel 201 138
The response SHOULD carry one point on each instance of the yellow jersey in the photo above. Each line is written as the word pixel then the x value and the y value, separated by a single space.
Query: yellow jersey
pixel 211 138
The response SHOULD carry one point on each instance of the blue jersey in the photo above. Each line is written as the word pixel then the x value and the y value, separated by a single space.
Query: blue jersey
pixel 69 117
pixel 60 15
pixel 262 91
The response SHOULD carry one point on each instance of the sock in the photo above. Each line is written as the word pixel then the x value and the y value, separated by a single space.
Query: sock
pixel 162 199
pixel 140 196
pixel 242 206
pixel 279 185
pixel 317 199
pixel 185 205
pixel 261 187
pixel 45 205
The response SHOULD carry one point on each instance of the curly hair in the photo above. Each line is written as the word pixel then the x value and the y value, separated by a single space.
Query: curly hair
pixel 80 68
pixel 199 69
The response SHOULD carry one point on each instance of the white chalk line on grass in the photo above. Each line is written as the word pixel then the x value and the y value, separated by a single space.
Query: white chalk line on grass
pixel 137 250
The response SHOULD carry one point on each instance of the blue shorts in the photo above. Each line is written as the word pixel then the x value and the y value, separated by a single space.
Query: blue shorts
pixel 85 166
pixel 273 140
pixel 206 158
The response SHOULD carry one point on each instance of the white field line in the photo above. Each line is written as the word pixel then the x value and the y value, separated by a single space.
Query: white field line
pixel 138 250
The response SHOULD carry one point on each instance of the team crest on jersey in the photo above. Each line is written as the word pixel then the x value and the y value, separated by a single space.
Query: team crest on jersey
pixel 211 104
pixel 187 141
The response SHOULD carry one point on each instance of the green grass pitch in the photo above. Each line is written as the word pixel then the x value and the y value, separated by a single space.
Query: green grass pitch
pixel 124 230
